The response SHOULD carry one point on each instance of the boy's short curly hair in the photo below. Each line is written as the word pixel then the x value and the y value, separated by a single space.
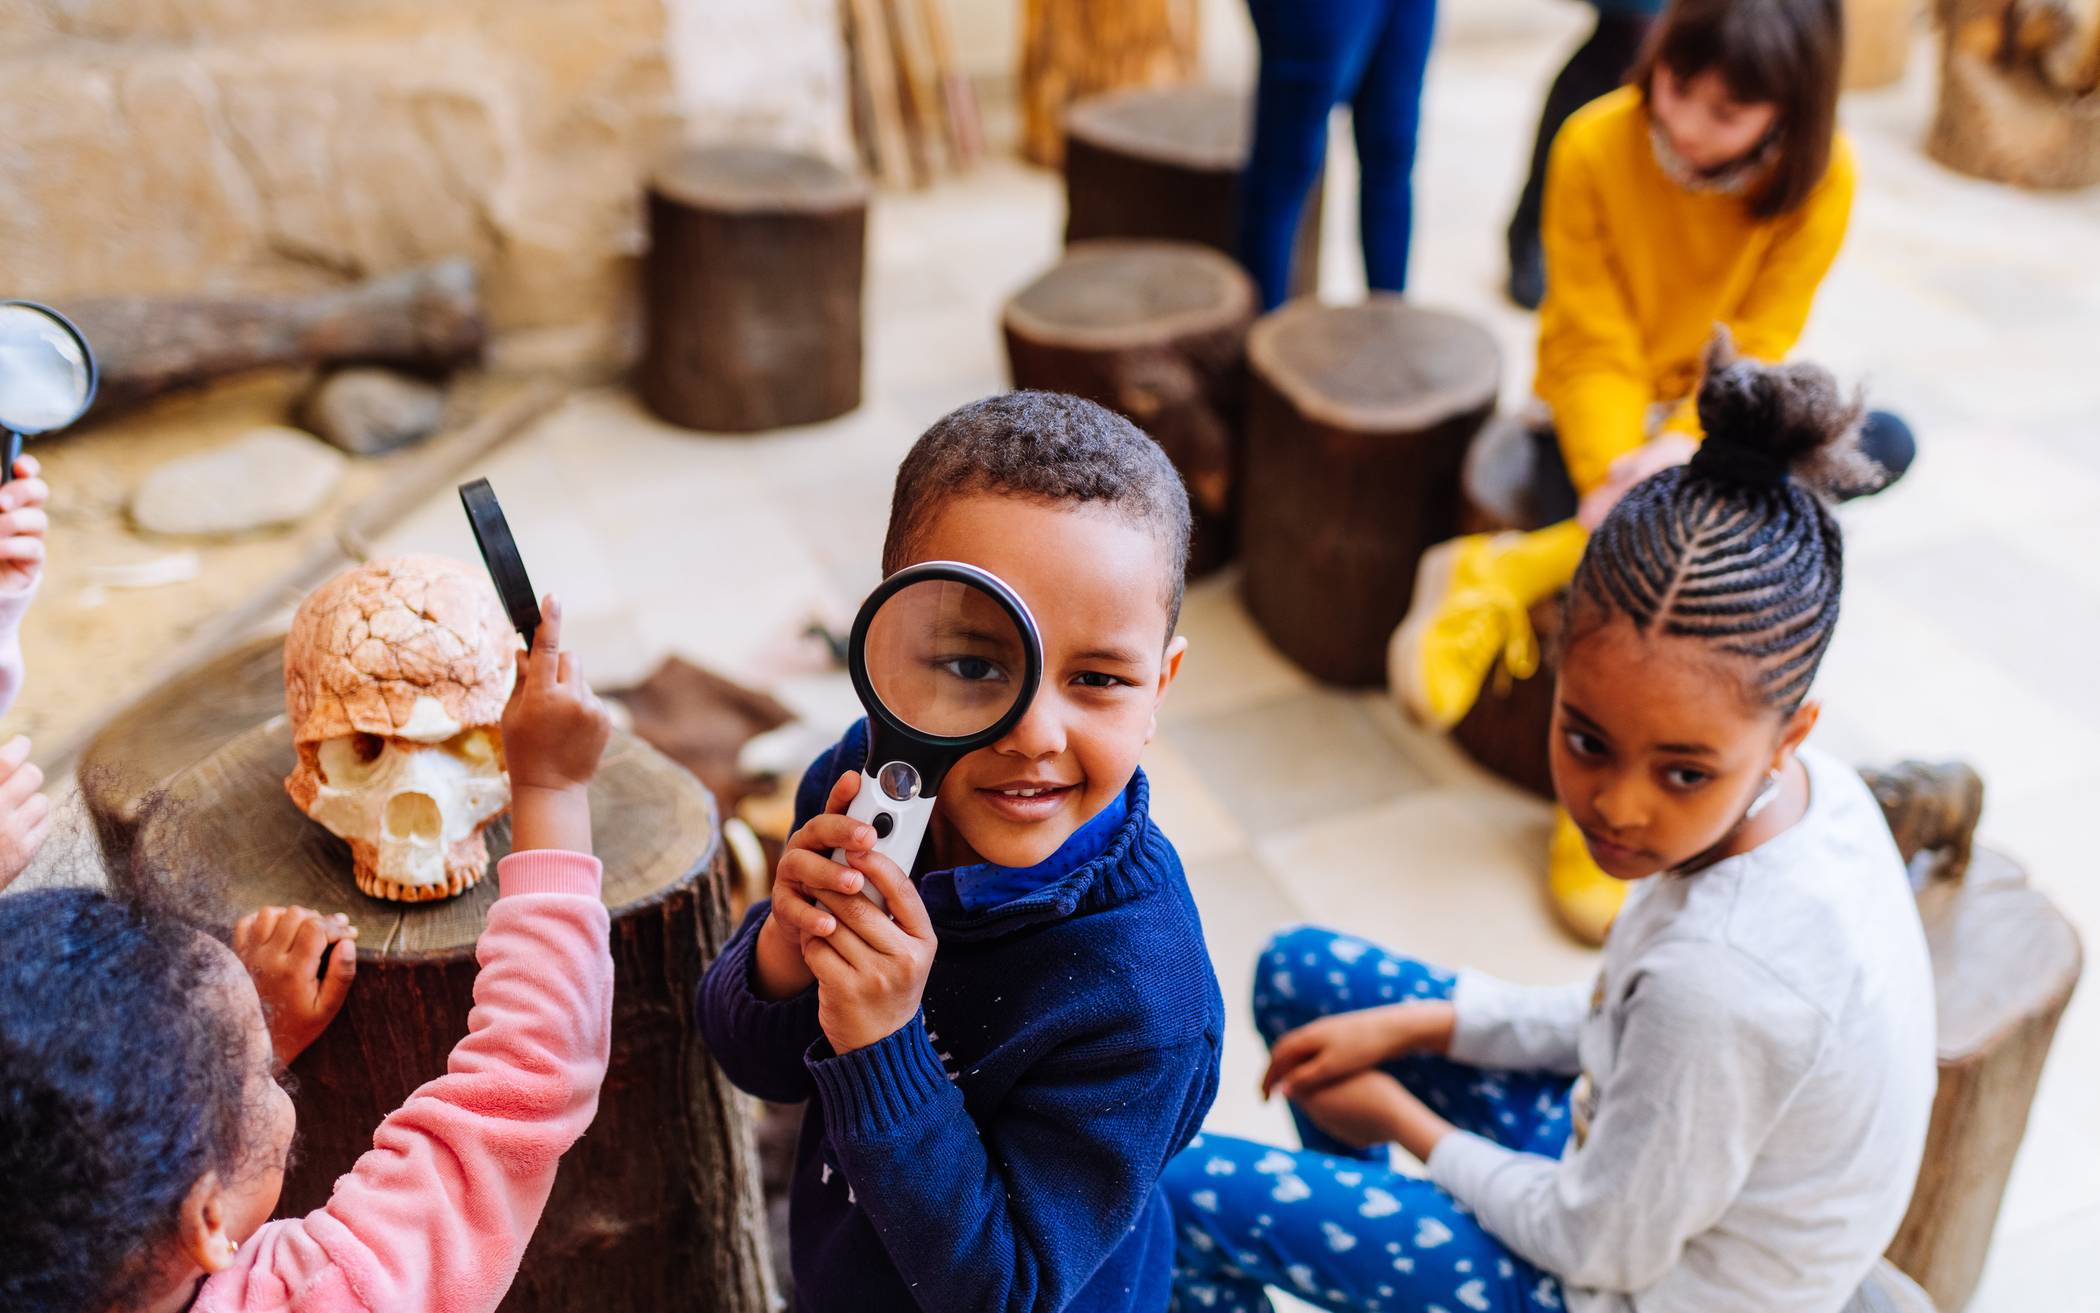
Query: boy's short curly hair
pixel 120 1086
pixel 1048 447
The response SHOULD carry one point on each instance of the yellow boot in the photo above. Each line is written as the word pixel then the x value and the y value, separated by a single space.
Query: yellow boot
pixel 1471 608
pixel 1583 896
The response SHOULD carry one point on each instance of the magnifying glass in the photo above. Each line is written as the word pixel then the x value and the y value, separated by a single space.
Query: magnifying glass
pixel 946 659
pixel 499 552
pixel 47 375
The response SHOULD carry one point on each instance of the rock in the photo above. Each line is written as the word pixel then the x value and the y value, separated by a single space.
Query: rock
pixel 369 411
pixel 268 477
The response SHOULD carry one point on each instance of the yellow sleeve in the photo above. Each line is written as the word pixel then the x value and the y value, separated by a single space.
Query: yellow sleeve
pixel 1775 305
pixel 1592 371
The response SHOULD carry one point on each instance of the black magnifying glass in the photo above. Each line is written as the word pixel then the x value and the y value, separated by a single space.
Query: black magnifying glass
pixel 946 658
pixel 47 375
pixel 499 552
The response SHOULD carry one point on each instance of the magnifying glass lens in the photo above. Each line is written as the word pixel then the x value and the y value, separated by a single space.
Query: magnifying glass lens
pixel 945 658
pixel 44 374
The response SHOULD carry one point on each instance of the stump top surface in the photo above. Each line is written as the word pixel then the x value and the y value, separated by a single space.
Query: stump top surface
pixel 756 180
pixel 1113 293
pixel 1380 366
pixel 654 824
pixel 1194 126
pixel 2001 953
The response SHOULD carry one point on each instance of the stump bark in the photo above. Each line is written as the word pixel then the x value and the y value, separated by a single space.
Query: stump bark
pixel 752 290
pixel 1071 49
pixel 1165 163
pixel 2004 964
pixel 2019 99
pixel 1358 421
pixel 658 1206
pixel 1156 331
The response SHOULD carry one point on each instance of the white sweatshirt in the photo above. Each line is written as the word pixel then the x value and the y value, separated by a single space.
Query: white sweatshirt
pixel 1758 1066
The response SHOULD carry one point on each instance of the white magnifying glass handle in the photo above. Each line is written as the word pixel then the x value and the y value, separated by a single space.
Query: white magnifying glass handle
pixel 899 825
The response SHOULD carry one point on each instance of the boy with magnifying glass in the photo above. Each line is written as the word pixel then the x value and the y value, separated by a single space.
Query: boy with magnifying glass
pixel 999 1066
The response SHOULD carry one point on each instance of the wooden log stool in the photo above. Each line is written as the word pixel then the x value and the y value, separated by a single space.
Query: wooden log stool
pixel 1358 420
pixel 1158 332
pixel 658 1205
pixel 2004 962
pixel 752 290
pixel 2019 92
pixel 1165 163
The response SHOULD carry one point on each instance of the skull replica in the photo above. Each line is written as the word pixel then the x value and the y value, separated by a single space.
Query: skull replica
pixel 395 678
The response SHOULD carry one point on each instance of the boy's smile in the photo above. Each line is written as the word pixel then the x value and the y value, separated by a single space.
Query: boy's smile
pixel 1096 582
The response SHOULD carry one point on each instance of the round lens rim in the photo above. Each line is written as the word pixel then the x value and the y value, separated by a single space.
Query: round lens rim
pixel 499 555
pixel 946 572
pixel 87 353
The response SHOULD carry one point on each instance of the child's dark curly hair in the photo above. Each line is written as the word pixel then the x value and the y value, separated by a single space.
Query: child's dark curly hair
pixel 121 1084
pixel 1739 547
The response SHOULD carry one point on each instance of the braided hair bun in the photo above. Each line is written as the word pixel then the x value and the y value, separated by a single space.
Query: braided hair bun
pixel 1766 424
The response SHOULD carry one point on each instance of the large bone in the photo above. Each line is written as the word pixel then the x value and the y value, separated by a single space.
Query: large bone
pixel 424 319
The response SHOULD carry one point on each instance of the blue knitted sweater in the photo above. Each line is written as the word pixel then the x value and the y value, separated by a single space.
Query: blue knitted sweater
pixel 1001 1151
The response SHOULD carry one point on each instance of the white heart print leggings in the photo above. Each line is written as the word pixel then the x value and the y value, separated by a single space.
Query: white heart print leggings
pixel 1338 1227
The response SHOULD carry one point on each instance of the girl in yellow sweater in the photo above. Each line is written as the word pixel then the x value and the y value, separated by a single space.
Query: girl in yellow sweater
pixel 1714 189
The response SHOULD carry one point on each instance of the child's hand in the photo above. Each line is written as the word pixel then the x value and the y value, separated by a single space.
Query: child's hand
pixel 282 948
pixel 23 523
pixel 806 867
pixel 871 970
pixel 1635 467
pixel 1333 1048
pixel 554 732
pixel 1366 1109
pixel 25 814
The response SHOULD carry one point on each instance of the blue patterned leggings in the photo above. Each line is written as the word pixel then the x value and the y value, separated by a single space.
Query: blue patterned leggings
pixel 1337 1226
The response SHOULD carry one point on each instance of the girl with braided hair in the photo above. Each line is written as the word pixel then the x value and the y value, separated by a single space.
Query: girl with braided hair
pixel 1731 1114
pixel 1714 188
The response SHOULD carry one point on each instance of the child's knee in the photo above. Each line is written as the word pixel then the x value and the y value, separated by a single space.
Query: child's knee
pixel 1284 984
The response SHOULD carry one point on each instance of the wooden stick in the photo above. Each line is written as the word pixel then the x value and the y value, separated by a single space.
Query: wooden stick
pixel 959 99
pixel 878 70
pixel 915 86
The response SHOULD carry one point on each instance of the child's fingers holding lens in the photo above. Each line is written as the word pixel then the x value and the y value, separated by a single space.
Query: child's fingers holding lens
pixel 843 792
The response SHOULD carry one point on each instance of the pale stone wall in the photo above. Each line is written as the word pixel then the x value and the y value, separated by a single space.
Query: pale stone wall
pixel 171 145
pixel 763 70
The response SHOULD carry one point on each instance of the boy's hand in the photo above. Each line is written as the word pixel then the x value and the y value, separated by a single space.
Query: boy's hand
pixel 871 970
pixel 25 814
pixel 282 948
pixel 554 732
pixel 23 523
pixel 1336 1047
pixel 805 868
pixel 1363 1110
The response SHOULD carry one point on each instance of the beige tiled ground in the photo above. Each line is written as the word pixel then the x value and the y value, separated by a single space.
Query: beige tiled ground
pixel 1972 616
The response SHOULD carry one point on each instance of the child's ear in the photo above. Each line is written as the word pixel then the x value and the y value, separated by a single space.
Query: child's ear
pixel 1796 732
pixel 201 1227
pixel 1169 670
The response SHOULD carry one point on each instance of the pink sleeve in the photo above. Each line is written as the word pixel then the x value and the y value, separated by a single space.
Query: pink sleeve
pixel 14 604
pixel 436 1217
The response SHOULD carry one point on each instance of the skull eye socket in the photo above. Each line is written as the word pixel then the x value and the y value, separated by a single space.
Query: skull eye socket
pixel 476 747
pixel 349 761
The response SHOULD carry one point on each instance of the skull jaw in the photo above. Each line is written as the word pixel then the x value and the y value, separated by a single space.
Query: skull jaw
pixel 464 863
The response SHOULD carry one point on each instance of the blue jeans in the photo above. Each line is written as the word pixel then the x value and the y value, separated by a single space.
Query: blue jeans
pixel 1336 1226
pixel 1316 54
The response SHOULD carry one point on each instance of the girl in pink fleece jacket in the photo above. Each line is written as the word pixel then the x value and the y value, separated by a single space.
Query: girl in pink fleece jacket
pixel 25 813
pixel 144 1135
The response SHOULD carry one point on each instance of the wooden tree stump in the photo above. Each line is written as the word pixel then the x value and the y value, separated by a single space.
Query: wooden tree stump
pixel 1878 38
pixel 658 1206
pixel 1165 164
pixel 2004 963
pixel 2019 100
pixel 752 290
pixel 1158 332
pixel 1358 421
pixel 1071 49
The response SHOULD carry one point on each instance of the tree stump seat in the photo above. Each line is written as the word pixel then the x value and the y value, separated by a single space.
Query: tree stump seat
pixel 1358 421
pixel 658 1206
pixel 1157 332
pixel 1165 163
pixel 752 290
